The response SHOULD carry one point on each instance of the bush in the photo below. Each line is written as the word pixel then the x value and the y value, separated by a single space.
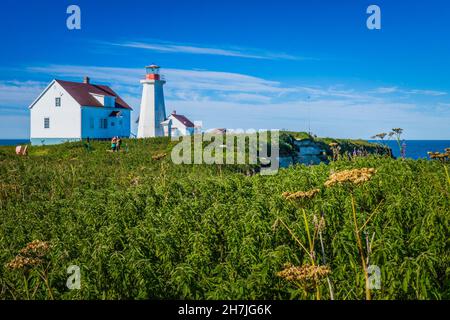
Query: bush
pixel 141 228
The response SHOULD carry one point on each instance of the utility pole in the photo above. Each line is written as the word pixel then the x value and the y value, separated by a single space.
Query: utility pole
pixel 309 115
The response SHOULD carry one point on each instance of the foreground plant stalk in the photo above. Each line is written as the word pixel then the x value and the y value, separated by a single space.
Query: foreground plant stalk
pixel 446 172
pixel 330 287
pixel 311 250
pixel 360 248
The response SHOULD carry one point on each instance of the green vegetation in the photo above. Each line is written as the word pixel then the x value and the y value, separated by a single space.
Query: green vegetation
pixel 347 146
pixel 140 227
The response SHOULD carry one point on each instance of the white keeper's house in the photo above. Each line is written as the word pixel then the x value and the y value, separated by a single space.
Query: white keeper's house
pixel 178 125
pixel 71 111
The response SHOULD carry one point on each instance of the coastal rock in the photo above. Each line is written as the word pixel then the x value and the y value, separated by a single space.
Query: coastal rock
pixel 308 153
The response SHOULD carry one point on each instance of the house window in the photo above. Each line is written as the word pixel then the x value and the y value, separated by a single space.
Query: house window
pixel 91 123
pixel 46 123
pixel 58 102
pixel 113 124
pixel 103 123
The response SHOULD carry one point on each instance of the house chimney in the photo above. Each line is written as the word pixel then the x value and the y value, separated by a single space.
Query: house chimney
pixel 86 80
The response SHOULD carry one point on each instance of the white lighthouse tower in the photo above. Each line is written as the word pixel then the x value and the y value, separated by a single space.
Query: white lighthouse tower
pixel 153 109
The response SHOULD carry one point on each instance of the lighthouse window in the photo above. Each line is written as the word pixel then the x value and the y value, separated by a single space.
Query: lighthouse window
pixel 58 102
pixel 46 123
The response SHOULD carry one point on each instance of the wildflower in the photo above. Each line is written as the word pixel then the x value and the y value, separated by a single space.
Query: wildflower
pixel 447 152
pixel 20 262
pixel 335 148
pixel 354 176
pixel 319 224
pixel 432 155
pixel 397 131
pixel 300 194
pixel 159 156
pixel 380 135
pixel 135 181
pixel 306 273
pixel 440 156
pixel 31 255
pixel 36 248
pixel 333 144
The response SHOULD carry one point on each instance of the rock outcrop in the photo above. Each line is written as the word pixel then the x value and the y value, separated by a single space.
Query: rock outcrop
pixel 308 152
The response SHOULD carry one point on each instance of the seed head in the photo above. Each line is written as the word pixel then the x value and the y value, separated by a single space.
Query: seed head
pixel 354 176
pixel 440 156
pixel 333 144
pixel 300 195
pixel 20 262
pixel 397 131
pixel 135 181
pixel 31 255
pixel 306 273
pixel 36 248
pixel 319 224
pixel 159 156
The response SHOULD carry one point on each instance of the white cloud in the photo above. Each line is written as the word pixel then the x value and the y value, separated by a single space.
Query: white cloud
pixel 199 80
pixel 223 99
pixel 387 90
pixel 159 46
pixel 19 94
pixel 333 118
pixel 122 76
pixel 428 92
pixel 179 78
pixel 247 97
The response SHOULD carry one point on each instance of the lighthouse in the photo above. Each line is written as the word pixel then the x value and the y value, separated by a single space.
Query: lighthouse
pixel 153 109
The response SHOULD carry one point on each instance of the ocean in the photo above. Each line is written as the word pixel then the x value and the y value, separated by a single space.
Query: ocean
pixel 417 149
pixel 13 142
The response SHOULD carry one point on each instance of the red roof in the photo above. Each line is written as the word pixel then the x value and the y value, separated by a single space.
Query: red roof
pixel 81 92
pixel 183 120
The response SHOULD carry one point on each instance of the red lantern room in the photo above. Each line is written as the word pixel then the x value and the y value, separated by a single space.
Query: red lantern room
pixel 152 72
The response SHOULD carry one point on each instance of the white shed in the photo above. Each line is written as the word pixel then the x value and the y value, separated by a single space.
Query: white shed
pixel 178 125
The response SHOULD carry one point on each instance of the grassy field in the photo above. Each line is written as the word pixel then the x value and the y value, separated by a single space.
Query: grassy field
pixel 141 228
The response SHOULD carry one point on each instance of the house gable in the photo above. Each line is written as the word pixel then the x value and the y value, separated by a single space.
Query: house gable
pixel 51 84
pixel 55 114
pixel 180 121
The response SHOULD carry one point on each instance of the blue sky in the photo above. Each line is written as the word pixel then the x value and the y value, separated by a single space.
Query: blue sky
pixel 242 64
